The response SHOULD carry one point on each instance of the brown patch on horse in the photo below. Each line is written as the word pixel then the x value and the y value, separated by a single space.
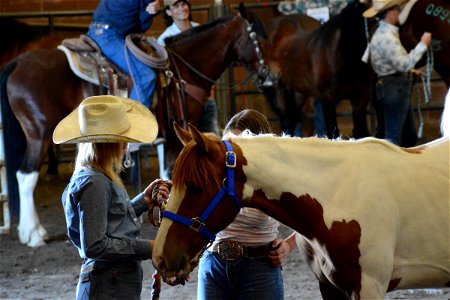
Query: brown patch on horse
pixel 393 284
pixel 341 240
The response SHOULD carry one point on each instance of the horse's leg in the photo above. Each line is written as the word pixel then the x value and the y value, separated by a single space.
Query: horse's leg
pixel 330 291
pixel 31 232
pixel 329 113
pixel 359 114
pixel 52 162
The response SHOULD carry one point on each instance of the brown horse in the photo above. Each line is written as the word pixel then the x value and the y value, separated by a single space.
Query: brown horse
pixel 326 63
pixel 38 89
pixel 363 233
pixel 430 16
pixel 18 37
pixel 285 102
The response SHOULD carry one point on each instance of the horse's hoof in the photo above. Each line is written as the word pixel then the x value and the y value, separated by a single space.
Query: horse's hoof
pixel 34 238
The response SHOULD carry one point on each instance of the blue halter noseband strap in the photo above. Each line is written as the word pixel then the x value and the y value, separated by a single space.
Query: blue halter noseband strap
pixel 197 224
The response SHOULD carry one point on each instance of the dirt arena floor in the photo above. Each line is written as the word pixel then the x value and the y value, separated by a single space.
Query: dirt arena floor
pixel 51 271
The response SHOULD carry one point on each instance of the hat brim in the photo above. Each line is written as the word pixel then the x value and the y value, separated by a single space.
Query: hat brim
pixel 372 12
pixel 143 129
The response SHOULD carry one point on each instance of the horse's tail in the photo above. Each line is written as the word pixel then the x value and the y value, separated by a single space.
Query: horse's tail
pixel 14 141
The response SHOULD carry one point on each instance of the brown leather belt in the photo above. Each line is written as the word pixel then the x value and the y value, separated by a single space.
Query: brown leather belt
pixel 231 250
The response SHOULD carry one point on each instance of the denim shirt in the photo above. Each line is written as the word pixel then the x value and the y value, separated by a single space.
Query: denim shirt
pixel 387 54
pixel 101 220
pixel 125 16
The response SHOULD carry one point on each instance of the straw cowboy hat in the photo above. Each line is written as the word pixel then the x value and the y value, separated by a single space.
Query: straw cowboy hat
pixel 107 119
pixel 380 6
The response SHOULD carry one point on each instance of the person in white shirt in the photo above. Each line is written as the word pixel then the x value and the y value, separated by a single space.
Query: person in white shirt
pixel 177 15
pixel 392 64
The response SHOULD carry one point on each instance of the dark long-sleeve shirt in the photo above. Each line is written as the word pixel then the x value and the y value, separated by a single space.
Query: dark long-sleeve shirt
pixel 101 220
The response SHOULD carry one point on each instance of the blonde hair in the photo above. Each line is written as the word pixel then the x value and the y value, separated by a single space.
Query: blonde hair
pixel 105 157
pixel 249 119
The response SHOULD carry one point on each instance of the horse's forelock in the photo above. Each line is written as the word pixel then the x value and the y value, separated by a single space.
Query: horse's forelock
pixel 192 166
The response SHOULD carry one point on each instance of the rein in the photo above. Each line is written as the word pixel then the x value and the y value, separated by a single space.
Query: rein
pixel 197 224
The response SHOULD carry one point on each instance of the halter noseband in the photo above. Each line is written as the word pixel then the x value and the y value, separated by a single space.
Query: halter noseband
pixel 197 224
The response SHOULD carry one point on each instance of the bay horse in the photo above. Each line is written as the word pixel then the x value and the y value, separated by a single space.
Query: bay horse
pixel 284 101
pixel 326 63
pixel 38 89
pixel 370 217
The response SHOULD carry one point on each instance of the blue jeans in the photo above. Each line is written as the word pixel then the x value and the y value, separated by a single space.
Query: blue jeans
pixel 117 281
pixel 246 279
pixel 113 47
pixel 394 94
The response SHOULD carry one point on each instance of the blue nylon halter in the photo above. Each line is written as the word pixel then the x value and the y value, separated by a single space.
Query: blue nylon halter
pixel 197 224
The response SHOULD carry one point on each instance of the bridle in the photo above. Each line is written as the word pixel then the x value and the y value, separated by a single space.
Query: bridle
pixel 183 87
pixel 197 224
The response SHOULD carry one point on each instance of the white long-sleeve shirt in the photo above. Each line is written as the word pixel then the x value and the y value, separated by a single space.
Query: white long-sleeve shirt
pixel 170 31
pixel 388 56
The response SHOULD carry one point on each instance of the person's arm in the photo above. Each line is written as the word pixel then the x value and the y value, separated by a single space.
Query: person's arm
pixel 281 250
pixel 398 56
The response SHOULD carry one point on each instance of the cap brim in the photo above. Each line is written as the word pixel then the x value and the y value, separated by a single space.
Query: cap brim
pixel 143 129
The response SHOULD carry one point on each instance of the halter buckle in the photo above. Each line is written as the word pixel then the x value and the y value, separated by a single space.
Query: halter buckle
pixel 196 225
pixel 228 163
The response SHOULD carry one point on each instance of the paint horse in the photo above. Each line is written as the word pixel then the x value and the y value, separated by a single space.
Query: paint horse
pixel 371 217
pixel 38 89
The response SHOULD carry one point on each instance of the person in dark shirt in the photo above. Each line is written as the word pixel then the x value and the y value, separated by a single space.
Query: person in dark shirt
pixel 102 222
pixel 115 19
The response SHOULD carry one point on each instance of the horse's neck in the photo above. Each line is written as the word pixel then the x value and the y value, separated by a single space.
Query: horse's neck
pixel 303 166
pixel 210 52
pixel 283 154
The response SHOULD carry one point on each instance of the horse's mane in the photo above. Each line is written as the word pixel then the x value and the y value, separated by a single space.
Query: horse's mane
pixel 196 32
pixel 349 21
pixel 318 141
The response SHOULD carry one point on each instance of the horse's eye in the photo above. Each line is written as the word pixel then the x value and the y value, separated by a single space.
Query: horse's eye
pixel 193 190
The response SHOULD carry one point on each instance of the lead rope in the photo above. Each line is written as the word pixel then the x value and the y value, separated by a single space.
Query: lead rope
pixel 158 202
pixel 426 87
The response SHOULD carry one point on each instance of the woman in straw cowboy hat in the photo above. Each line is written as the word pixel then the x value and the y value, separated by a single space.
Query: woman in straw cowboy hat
pixel 392 64
pixel 101 219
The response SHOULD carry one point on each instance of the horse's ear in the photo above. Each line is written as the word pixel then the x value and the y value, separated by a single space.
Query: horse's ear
pixel 242 10
pixel 198 138
pixel 183 135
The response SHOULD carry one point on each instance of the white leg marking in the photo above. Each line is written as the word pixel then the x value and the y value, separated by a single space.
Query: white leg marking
pixel 31 232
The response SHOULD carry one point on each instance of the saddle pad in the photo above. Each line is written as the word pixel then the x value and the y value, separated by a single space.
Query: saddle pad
pixel 82 66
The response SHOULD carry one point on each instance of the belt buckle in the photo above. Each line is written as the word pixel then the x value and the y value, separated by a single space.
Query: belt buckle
pixel 231 250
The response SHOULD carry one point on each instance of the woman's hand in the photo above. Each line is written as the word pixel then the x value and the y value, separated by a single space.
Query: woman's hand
pixel 279 252
pixel 162 187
